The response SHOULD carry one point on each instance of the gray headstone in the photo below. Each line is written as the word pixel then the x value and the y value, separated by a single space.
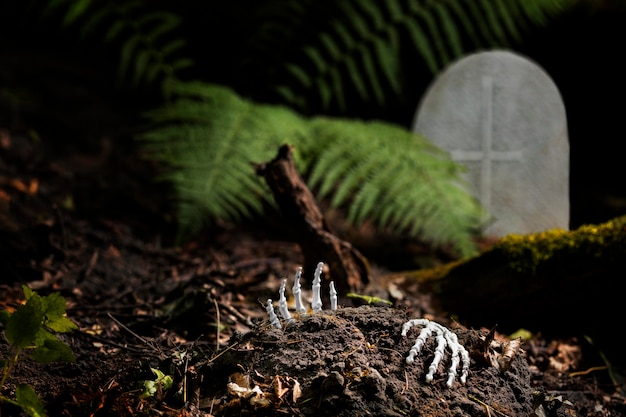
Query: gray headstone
pixel 502 117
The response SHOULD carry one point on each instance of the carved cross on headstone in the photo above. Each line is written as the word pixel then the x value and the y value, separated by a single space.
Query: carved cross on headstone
pixel 487 154
pixel 502 117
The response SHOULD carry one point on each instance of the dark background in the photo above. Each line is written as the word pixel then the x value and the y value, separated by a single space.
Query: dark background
pixel 56 85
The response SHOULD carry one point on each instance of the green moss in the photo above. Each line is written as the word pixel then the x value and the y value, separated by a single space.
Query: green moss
pixel 424 276
pixel 527 252
pixel 524 254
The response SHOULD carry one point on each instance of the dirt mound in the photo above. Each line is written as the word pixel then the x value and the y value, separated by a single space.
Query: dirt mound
pixel 351 361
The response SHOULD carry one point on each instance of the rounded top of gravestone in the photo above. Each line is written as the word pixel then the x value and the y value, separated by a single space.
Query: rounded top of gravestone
pixel 451 115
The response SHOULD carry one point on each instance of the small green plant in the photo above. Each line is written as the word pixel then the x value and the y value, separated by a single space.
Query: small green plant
pixel 369 299
pixel 29 329
pixel 160 383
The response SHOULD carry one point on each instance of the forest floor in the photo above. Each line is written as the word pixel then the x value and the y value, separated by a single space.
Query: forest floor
pixel 81 215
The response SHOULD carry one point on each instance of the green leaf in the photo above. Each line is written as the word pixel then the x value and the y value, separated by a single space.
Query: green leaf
pixel 54 313
pixel 142 59
pixel 77 9
pixel 162 381
pixel 29 401
pixel 181 63
pixel 61 325
pixel 28 293
pixel 50 349
pixel 369 299
pixel 114 31
pixel 127 54
pixel 53 306
pixel 173 46
pixel 149 389
pixel 24 323
pixel 157 372
pixel 92 23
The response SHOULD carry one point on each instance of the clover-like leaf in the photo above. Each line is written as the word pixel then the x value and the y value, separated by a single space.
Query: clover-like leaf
pixel 53 307
pixel 23 325
pixel 61 325
pixel 50 349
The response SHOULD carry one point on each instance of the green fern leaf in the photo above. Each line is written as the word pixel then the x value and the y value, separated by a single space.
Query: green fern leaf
pixel 506 16
pixel 493 20
pixel 300 74
pixel 387 61
pixel 465 24
pixel 436 39
pixel 359 48
pixel 114 31
pixel 367 198
pixel 369 68
pixel 140 63
pixel 181 64
pixel 211 137
pixel 358 173
pixel 451 31
pixel 337 87
pixel 330 46
pixel 171 47
pixel 164 23
pixel 397 179
pixel 422 45
pixel 208 136
pixel 394 9
pixel 75 11
pixel 316 58
pixel 357 79
pixel 145 50
pixel 127 55
pixel 96 19
pixel 332 163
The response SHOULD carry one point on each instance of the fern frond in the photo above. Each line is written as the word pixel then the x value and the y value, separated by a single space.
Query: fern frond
pixel 359 50
pixel 209 137
pixel 147 47
pixel 396 178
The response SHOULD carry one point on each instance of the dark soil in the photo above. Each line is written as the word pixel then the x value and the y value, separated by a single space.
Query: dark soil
pixel 351 362
pixel 81 214
pixel 195 312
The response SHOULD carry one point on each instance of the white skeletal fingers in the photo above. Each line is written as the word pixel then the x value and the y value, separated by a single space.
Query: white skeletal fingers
pixel 316 304
pixel 282 303
pixel 445 338
pixel 270 312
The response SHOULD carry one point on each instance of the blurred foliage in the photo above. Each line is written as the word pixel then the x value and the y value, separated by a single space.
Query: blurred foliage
pixel 311 57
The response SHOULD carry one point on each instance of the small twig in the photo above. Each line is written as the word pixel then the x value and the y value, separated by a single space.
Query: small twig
pixel 235 312
pixel 217 317
pixel 487 406
pixel 185 378
pixel 588 371
pixel 406 380
pixel 147 343
pixel 114 344
pixel 222 352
